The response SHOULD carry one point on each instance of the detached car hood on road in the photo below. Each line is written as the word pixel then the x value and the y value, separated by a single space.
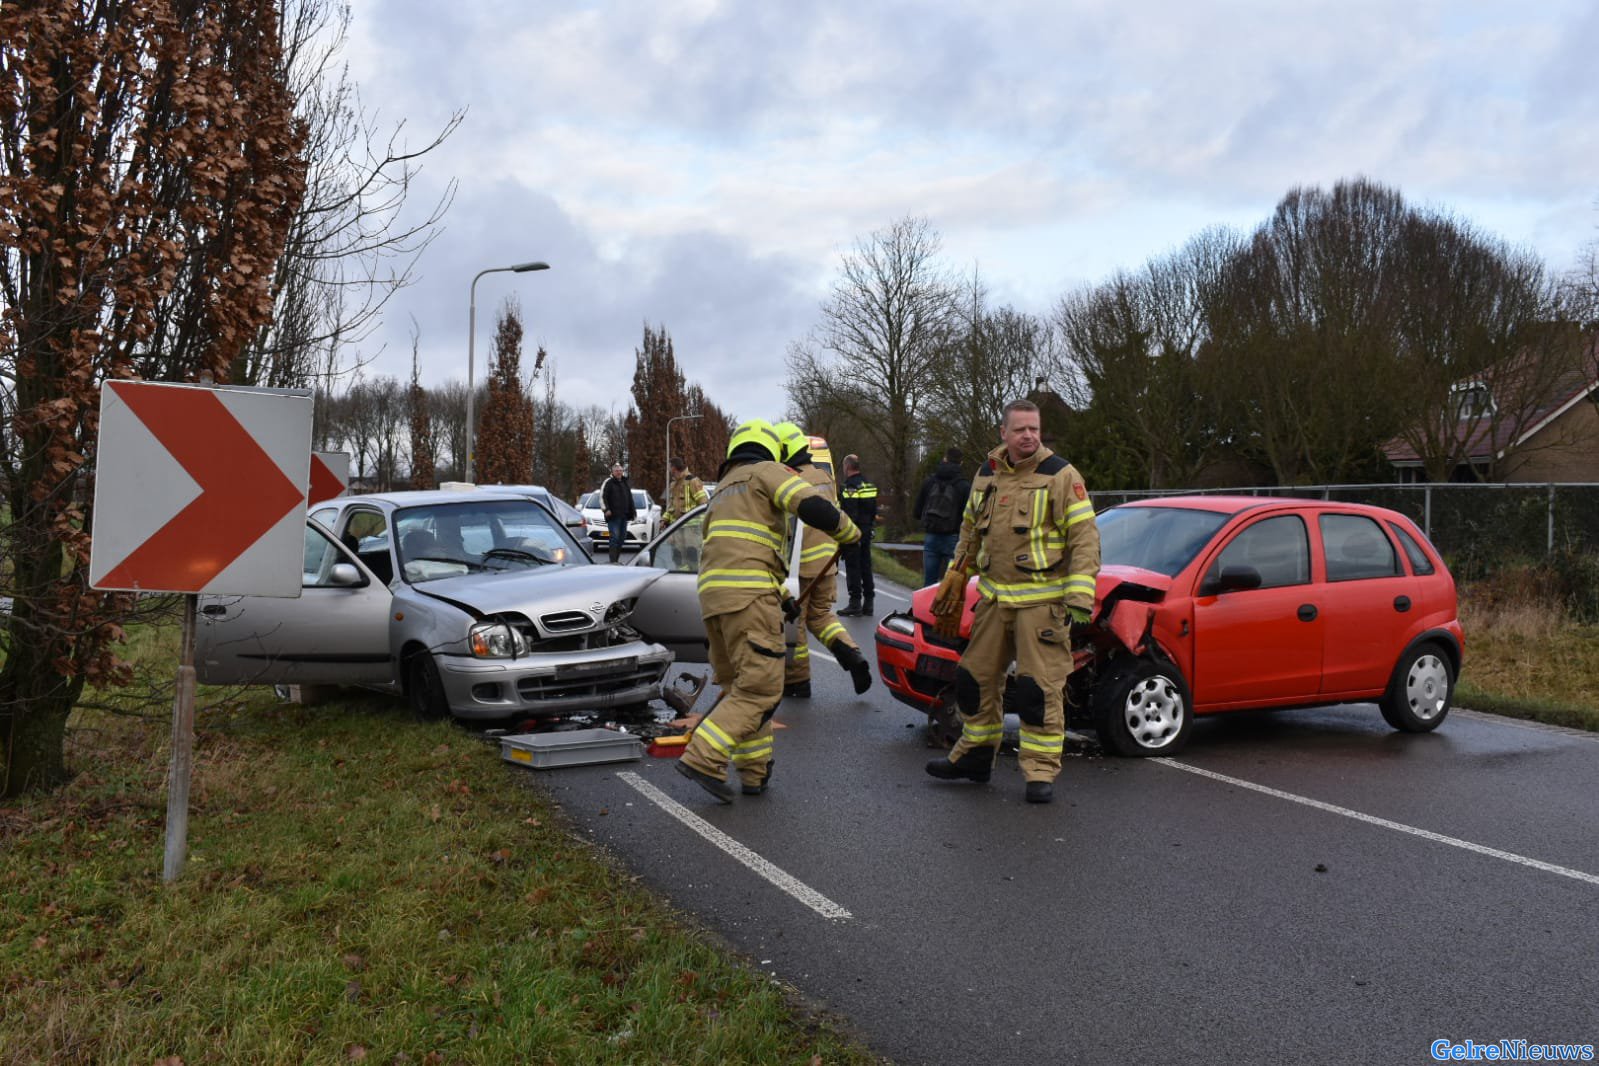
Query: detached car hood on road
pixel 544 589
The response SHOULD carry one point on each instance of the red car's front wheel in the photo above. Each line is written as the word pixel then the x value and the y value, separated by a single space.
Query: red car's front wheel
pixel 1144 709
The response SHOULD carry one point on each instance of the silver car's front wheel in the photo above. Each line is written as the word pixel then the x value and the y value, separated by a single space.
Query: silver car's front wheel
pixel 424 688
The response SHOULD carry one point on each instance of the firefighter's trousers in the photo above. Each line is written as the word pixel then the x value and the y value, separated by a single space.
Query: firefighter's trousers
pixel 747 661
pixel 1037 638
pixel 816 617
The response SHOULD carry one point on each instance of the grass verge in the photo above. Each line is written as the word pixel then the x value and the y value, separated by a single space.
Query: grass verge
pixel 886 565
pixel 359 888
pixel 1526 658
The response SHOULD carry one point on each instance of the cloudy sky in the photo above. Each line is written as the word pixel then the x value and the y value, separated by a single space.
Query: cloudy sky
pixel 703 164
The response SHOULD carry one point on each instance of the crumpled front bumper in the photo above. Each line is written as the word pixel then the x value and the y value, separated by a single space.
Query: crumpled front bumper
pixel 554 683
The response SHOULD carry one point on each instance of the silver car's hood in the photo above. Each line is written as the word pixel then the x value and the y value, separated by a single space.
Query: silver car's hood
pixel 544 589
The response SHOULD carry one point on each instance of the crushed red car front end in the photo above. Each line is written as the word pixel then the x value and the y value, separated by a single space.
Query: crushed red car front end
pixel 918 664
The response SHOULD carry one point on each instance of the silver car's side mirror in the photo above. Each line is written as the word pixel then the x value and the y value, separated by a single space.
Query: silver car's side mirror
pixel 345 575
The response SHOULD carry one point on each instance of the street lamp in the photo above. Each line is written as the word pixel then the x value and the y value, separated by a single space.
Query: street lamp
pixel 669 421
pixel 471 336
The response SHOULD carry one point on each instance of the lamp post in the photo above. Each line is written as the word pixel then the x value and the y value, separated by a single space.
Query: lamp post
pixel 669 421
pixel 471 337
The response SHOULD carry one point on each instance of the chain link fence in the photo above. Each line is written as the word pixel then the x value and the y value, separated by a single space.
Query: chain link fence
pixel 1477 528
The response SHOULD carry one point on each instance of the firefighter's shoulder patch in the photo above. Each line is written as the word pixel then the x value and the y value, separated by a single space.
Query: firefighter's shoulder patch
pixel 1080 489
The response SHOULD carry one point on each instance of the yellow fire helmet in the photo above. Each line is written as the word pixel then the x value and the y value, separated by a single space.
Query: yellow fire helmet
pixel 756 431
pixel 791 440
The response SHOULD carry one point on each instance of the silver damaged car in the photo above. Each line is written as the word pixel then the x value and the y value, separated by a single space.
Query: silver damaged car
pixel 470 603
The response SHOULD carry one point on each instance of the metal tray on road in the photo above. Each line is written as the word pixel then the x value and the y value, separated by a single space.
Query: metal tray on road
pixel 575 747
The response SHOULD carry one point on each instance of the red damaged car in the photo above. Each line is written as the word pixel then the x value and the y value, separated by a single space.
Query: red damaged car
pixel 1222 603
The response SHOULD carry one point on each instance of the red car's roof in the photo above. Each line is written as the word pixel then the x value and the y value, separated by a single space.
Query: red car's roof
pixel 1235 504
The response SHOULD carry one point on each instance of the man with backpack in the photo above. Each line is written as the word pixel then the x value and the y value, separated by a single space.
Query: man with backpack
pixel 939 506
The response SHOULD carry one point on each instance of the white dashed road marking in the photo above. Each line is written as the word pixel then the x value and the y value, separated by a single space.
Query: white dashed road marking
pixel 783 880
pixel 1400 827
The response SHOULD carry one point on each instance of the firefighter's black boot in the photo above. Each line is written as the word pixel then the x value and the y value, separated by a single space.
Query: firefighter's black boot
pixel 758 788
pixel 852 608
pixel 851 659
pixel 973 766
pixel 797 690
pixel 1040 792
pixel 714 785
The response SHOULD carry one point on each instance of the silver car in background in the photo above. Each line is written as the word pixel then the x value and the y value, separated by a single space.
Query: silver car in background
pixel 470 603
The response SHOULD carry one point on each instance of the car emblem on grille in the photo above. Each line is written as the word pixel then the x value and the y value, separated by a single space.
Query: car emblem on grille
pixel 596 606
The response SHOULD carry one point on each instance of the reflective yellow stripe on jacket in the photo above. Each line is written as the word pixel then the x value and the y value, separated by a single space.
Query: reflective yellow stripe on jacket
pixel 738 578
pixel 745 530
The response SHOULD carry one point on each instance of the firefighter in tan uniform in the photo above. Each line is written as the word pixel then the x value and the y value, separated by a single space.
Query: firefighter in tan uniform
pixel 741 588
pixel 818 574
pixel 684 493
pixel 1029 534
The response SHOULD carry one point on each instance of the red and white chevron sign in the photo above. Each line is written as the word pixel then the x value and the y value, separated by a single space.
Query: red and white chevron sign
pixel 200 489
pixel 330 476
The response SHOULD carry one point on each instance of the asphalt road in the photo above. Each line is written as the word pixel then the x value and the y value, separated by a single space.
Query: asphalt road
pixel 1307 886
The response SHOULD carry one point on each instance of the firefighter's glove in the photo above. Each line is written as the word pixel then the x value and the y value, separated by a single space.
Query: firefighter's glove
pixel 791 609
pixel 1079 619
pixel 949 602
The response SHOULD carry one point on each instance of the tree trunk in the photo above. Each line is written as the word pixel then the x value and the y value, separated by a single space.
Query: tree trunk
pixel 35 701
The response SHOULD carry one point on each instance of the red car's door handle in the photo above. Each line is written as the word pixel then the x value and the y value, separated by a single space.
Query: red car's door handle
pixel 1307 612
pixel 1401 604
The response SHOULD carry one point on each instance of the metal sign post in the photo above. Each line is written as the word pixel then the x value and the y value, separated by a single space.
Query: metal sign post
pixel 177 846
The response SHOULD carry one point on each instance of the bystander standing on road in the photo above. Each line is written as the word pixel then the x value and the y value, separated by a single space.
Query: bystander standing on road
pixel 939 506
pixel 859 499
pixel 1029 534
pixel 616 497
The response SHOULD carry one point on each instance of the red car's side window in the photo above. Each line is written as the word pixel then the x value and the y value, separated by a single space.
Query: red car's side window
pixel 1276 548
pixel 1356 548
pixel 1419 563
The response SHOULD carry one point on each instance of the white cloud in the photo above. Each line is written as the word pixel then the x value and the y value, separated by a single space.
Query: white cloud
pixel 702 165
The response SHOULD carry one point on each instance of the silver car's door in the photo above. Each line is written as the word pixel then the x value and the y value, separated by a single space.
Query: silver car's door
pixel 336 633
pixel 668 612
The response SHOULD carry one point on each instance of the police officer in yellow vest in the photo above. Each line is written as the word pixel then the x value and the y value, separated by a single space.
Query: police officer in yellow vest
pixel 818 581
pixel 741 588
pixel 684 493
pixel 1029 534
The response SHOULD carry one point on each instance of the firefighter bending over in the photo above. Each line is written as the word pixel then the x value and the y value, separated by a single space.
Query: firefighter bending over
pixel 1029 534
pixel 741 598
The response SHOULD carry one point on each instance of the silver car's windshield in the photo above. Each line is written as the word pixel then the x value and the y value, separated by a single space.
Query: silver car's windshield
pixel 451 539
pixel 1162 539
pixel 591 501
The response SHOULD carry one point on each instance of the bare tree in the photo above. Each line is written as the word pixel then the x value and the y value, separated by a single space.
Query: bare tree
pixel 348 250
pixel 994 356
pixel 892 310
pixel 424 472
pixel 1132 353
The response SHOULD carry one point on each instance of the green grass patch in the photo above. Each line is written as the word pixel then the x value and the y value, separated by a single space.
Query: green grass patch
pixel 1526 658
pixel 886 565
pixel 359 888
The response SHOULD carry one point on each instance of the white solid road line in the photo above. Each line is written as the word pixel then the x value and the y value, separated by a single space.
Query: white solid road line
pixel 785 881
pixel 1425 834
pixel 823 655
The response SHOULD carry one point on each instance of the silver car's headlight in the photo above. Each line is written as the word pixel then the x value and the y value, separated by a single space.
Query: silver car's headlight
pixel 496 640
pixel 618 611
